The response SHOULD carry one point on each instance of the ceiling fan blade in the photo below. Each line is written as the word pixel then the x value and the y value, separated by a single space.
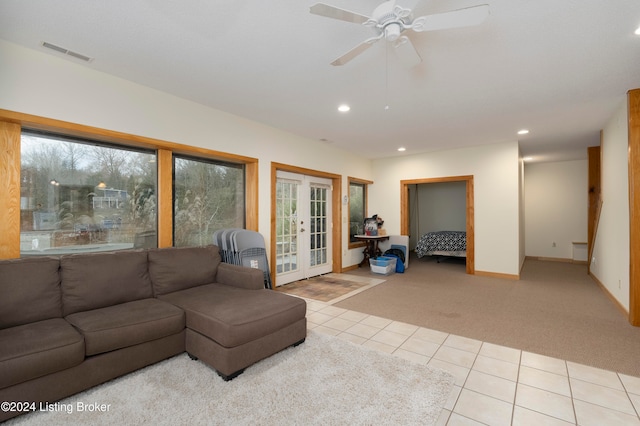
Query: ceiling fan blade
pixel 466 17
pixel 355 51
pixel 406 52
pixel 329 11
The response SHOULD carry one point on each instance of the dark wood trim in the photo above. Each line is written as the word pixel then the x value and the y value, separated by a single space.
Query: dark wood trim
pixel 336 182
pixel 594 187
pixel 634 206
pixel 470 227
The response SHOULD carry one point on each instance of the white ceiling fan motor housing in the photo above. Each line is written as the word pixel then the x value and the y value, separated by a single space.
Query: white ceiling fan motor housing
pixel 392 31
pixel 390 19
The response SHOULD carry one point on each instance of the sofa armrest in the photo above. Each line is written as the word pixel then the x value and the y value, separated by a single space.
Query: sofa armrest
pixel 240 276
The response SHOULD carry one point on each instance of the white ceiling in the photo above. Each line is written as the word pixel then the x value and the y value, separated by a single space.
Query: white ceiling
pixel 559 68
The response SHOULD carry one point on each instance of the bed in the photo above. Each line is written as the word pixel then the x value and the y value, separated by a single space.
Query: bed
pixel 443 243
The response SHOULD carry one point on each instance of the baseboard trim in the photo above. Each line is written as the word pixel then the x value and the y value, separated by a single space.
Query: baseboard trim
pixel 606 291
pixel 557 259
pixel 349 268
pixel 497 275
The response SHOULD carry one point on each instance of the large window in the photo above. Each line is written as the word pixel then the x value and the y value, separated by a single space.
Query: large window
pixel 80 195
pixel 208 196
pixel 357 207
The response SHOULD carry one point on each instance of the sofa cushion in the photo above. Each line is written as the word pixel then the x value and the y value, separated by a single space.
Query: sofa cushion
pixel 34 350
pixel 178 268
pixel 127 324
pixel 95 280
pixel 233 316
pixel 30 290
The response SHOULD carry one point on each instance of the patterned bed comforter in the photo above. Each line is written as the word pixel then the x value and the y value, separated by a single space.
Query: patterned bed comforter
pixel 443 243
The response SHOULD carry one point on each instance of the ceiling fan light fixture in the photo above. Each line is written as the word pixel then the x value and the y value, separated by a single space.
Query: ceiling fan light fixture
pixel 392 31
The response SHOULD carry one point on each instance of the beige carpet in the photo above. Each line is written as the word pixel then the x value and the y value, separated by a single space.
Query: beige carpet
pixel 555 309
pixel 324 381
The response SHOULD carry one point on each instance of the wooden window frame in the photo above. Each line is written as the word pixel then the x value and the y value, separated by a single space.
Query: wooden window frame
pixel 11 125
pixel 365 183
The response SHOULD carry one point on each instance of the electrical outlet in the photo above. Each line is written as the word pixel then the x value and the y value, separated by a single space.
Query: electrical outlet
pixel 593 260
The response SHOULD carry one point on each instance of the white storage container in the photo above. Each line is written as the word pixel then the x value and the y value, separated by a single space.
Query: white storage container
pixel 383 265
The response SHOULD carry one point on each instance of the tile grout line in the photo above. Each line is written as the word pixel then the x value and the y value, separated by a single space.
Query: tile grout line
pixel 628 395
pixel 573 401
pixel 395 347
pixel 515 393
pixel 463 386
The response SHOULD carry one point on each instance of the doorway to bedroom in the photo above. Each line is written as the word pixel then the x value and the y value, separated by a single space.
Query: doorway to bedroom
pixel 458 209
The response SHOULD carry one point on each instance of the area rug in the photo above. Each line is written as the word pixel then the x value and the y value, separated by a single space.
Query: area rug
pixel 330 288
pixel 324 381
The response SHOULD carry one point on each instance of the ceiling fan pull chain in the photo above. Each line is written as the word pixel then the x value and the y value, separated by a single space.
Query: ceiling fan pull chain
pixel 386 77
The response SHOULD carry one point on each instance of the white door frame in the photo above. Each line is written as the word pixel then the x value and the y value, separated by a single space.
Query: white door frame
pixel 336 213
pixel 307 232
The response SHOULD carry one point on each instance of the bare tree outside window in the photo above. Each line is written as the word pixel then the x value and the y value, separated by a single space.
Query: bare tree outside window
pixel 79 195
pixel 357 209
pixel 208 196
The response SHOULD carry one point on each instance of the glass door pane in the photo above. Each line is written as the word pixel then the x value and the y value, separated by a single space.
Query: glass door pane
pixel 287 256
pixel 303 227
pixel 318 226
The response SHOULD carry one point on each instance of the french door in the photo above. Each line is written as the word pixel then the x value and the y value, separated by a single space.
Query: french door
pixel 303 227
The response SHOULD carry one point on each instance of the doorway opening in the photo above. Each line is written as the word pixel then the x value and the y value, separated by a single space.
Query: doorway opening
pixel 305 223
pixel 405 217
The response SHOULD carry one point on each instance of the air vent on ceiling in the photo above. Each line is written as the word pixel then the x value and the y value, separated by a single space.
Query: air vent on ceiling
pixel 67 52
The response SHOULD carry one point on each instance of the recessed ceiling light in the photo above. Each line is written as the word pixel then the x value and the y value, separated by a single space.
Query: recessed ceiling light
pixel 523 132
pixel 344 108
pixel 637 31
pixel 402 149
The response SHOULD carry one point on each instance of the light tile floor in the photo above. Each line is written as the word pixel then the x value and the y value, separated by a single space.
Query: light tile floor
pixel 495 385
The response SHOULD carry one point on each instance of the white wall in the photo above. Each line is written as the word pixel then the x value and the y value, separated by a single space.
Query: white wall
pixel 610 261
pixel 496 196
pixel 556 204
pixel 44 85
pixel 437 206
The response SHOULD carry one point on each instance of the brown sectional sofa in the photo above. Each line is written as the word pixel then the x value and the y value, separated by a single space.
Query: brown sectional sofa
pixel 72 322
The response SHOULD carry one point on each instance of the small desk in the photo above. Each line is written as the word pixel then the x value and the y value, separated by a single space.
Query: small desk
pixel 371 249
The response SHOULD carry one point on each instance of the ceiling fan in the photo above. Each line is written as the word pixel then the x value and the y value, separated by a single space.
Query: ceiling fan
pixel 390 21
